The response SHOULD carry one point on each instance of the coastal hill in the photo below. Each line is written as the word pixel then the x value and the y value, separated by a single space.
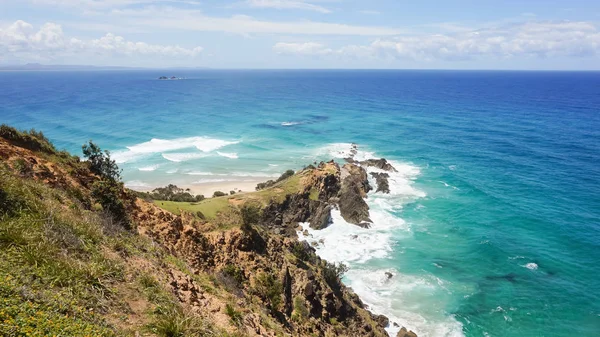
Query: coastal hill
pixel 80 255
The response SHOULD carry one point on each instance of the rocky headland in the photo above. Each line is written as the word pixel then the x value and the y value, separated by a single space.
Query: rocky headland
pixel 124 266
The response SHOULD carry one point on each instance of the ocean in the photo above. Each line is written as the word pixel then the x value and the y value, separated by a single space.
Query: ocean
pixel 493 224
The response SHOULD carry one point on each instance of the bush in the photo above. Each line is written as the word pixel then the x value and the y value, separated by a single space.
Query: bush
pixel 269 288
pixel 218 194
pixel 235 316
pixel 231 192
pixel 173 193
pixel 100 162
pixel 301 250
pixel 235 273
pixel 332 273
pixel 286 175
pixel 109 194
pixel 269 183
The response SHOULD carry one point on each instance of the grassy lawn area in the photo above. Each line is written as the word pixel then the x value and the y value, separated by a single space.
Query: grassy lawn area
pixel 211 206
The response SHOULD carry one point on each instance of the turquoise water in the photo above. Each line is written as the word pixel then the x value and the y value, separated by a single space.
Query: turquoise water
pixel 493 224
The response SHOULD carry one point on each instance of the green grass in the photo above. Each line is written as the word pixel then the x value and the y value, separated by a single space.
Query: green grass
pixel 209 207
pixel 212 206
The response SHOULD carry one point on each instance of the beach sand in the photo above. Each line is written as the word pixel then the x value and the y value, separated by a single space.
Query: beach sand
pixel 207 189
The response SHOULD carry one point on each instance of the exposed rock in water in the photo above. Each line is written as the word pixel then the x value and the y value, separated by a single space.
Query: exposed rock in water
pixel 382 320
pixel 355 186
pixel 406 333
pixel 379 163
pixel 382 182
pixel 322 217
pixel 389 275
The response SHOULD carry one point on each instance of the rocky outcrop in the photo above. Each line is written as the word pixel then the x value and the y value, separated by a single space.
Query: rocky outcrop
pixel 383 184
pixel 355 186
pixel 405 333
pixel 321 217
pixel 381 164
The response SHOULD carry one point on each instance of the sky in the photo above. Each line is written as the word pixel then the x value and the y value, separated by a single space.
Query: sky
pixel 373 34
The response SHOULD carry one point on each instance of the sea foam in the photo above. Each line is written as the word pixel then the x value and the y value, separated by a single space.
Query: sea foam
pixel 163 146
pixel 359 248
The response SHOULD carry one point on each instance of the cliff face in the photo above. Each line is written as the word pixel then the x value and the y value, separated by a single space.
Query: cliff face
pixel 165 274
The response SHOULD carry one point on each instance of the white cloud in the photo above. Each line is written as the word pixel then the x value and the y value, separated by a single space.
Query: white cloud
pixel 20 39
pixel 533 39
pixel 106 4
pixel 194 20
pixel 370 12
pixel 287 4
pixel 307 48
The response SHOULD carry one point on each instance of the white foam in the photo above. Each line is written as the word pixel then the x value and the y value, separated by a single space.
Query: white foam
pixel 341 151
pixel 156 145
pixel 207 181
pixel 228 155
pixel 290 123
pixel 531 266
pixel 180 157
pixel 149 168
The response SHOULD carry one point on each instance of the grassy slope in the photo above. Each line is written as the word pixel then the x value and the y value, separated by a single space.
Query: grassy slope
pixel 66 270
pixel 212 206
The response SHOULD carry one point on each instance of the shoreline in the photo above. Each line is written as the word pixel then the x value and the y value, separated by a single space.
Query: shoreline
pixel 207 189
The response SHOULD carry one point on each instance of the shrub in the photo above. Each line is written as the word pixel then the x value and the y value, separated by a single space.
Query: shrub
pixel 109 194
pixel 235 273
pixel 250 216
pixel 301 250
pixel 269 183
pixel 100 162
pixel 200 215
pixel 332 273
pixel 173 193
pixel 218 194
pixel 286 175
pixel 231 192
pixel 269 288
pixel 235 316
pixel 300 312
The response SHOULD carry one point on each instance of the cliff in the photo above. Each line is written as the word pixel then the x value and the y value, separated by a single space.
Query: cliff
pixel 81 255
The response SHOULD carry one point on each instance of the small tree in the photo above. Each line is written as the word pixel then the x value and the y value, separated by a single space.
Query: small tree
pixel 100 162
pixel 250 216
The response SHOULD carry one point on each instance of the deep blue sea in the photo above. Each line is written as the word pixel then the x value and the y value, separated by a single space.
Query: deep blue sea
pixel 493 224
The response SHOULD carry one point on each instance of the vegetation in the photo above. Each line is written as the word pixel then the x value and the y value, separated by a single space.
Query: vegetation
pixel 100 162
pixel 269 288
pixel 32 139
pixel 269 183
pixel 333 273
pixel 219 194
pixel 300 312
pixel 235 316
pixel 171 193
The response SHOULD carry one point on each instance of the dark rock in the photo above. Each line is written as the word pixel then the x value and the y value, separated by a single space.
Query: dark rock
pixel 383 184
pixel 389 275
pixel 395 325
pixel 287 292
pixel 380 164
pixel 405 333
pixel 382 320
pixel 322 217
pixel 355 186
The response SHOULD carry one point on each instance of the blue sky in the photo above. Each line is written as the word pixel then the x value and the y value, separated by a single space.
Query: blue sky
pixel 426 34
